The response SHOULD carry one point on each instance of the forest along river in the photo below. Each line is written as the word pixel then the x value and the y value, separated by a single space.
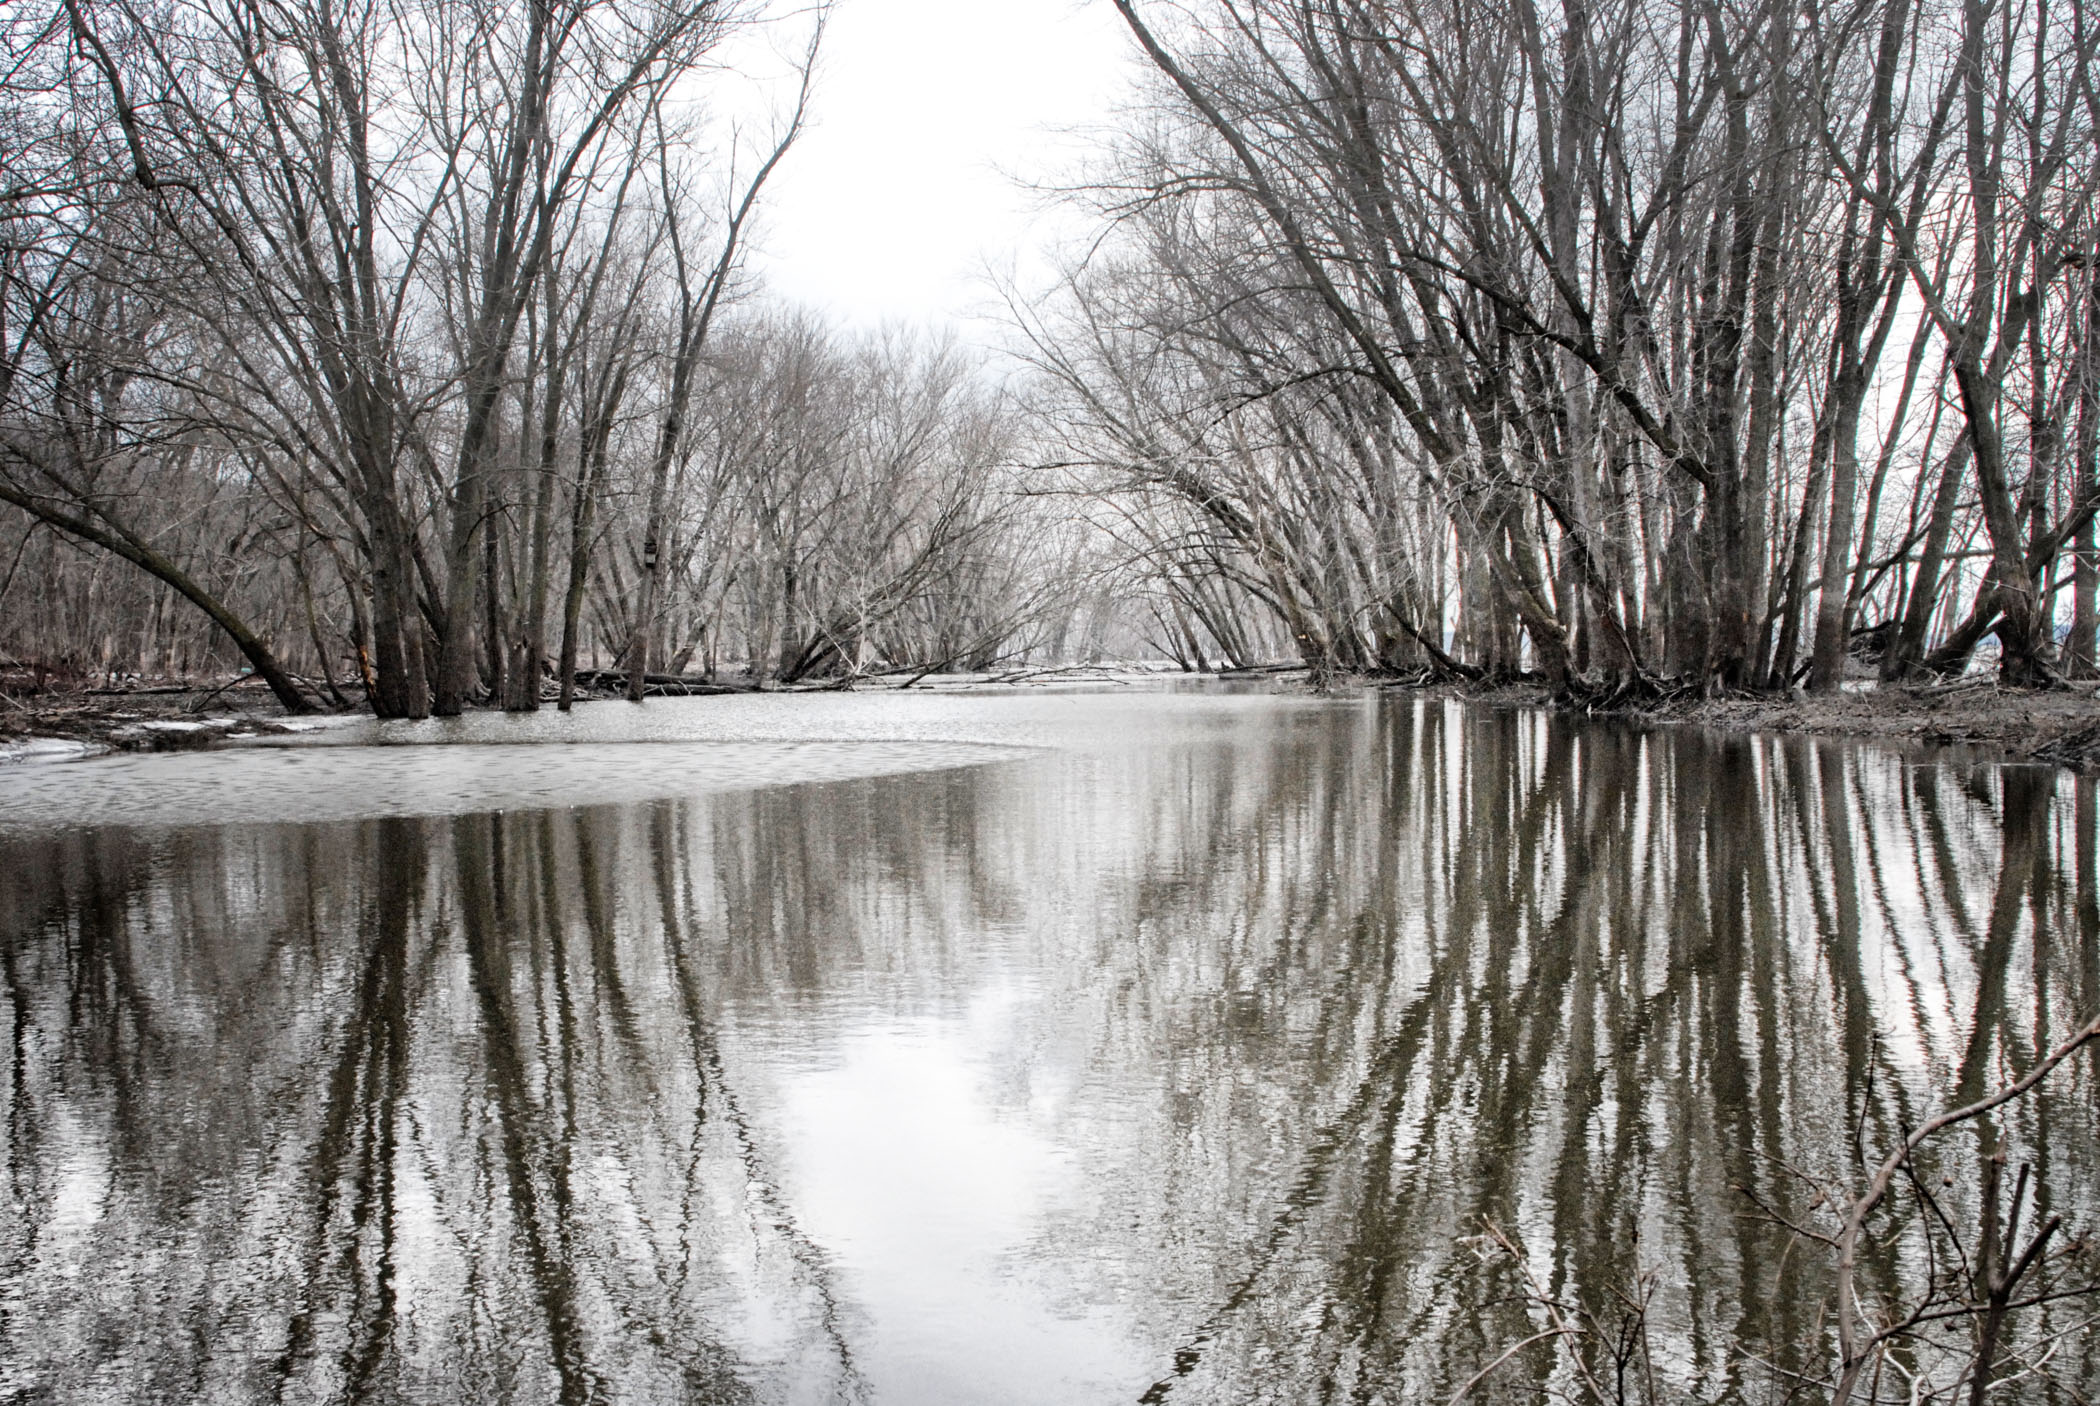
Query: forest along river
pixel 1063 1049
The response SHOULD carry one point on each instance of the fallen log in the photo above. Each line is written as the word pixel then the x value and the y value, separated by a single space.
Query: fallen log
pixel 1255 671
pixel 663 685
pixel 156 691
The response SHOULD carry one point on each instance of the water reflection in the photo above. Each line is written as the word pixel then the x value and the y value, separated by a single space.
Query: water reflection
pixel 1180 1071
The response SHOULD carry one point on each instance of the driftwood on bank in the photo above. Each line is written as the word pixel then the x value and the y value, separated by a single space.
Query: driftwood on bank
pixel 676 685
pixel 1256 671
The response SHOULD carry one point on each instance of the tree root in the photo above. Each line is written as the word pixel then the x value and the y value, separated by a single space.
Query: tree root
pixel 1635 691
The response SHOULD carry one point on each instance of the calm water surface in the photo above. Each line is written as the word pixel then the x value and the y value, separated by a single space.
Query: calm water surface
pixel 990 1049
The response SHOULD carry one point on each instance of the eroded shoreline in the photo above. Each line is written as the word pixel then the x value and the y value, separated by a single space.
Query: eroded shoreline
pixel 2060 727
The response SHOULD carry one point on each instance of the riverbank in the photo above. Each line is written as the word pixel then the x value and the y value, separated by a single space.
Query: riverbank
pixel 171 716
pixel 2059 728
pixel 152 718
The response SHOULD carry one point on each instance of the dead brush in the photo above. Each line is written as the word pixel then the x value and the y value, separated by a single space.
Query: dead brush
pixel 1921 1310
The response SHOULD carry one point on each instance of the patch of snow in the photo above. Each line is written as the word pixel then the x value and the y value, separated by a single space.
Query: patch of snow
pixel 47 749
pixel 319 724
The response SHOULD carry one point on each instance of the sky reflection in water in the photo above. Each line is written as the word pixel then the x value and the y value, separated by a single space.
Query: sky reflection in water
pixel 1103 1045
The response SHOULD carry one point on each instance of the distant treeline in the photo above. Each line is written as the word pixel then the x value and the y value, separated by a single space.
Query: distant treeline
pixel 399 350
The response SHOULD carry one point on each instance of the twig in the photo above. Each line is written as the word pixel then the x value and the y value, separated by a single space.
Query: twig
pixel 1852 1356
pixel 1480 1376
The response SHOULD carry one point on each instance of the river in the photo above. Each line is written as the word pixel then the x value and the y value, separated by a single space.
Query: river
pixel 1048 1048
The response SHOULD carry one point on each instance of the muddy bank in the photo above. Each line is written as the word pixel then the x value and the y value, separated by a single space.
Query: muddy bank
pixel 147 719
pixel 2061 727
pixel 165 715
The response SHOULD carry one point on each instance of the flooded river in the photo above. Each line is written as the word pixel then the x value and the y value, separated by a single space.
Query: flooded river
pixel 1043 1049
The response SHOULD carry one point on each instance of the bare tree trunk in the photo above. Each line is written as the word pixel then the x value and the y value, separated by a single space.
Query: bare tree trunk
pixel 592 454
pixel 127 545
pixel 696 315
pixel 2085 586
pixel 1908 651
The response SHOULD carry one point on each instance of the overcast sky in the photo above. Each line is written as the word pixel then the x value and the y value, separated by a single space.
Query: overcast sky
pixel 926 111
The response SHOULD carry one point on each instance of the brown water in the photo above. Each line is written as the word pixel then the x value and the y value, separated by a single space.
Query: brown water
pixel 1059 1050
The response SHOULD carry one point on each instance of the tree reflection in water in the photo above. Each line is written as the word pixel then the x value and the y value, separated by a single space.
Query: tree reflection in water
pixel 499 1107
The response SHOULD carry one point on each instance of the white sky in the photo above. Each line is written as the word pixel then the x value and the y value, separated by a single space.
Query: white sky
pixel 928 114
